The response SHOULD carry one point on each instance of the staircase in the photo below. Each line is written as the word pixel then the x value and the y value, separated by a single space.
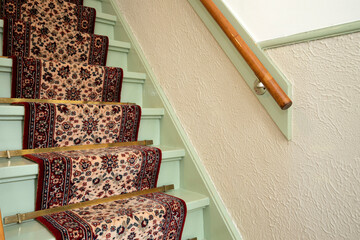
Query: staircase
pixel 18 176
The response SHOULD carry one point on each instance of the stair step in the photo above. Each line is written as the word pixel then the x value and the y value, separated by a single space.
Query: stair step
pixel 132 83
pixel 117 55
pixel 105 24
pixel 12 117
pixel 132 89
pixel 33 230
pixel 19 172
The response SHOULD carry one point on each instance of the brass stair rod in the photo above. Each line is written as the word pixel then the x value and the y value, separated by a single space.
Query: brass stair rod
pixel 2 234
pixel 17 100
pixel 20 217
pixel 12 153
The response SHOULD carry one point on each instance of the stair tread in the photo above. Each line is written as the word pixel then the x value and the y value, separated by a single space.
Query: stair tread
pixel 34 230
pixel 7 63
pixel 193 200
pixel 21 167
pixel 112 43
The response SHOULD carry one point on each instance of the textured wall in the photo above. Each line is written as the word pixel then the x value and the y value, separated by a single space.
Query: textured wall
pixel 304 189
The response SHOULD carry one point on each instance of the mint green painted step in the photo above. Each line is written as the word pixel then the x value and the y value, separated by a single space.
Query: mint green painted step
pixel 132 83
pixel 105 24
pixel 150 124
pixel 12 117
pixel 32 230
pixel 117 55
pixel 20 173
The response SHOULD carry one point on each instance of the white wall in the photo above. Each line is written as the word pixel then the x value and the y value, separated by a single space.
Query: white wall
pixel 265 19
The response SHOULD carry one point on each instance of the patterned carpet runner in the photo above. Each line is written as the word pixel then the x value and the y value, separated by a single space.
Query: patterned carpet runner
pixel 59 125
pixel 56 56
pixel 51 12
pixel 150 216
pixel 42 79
pixel 77 176
pixel 53 43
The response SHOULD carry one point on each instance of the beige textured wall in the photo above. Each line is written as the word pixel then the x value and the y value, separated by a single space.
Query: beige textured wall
pixel 304 189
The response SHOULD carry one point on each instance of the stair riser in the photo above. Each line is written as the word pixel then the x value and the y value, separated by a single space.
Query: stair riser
pixel 13 201
pixel 11 128
pixel 132 91
pixel 194 225
pixel 104 28
pixel 117 58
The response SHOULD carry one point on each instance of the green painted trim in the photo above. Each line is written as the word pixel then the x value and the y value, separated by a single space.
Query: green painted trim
pixel 327 32
pixel 119 46
pixel 106 19
pixel 283 119
pixel 18 179
pixel 214 195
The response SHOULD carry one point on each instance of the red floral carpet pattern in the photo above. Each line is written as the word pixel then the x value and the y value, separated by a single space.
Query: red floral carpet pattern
pixel 58 125
pixel 77 176
pixel 150 216
pixel 56 56
pixel 51 12
pixel 53 43
pixel 41 79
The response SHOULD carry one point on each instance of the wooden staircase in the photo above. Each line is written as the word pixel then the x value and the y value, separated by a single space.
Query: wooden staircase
pixel 18 176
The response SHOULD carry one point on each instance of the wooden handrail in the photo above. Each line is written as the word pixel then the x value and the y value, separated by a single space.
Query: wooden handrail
pixel 258 68
pixel 2 234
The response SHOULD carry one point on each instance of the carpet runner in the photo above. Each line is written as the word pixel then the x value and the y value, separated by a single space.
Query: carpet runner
pixel 53 43
pixel 77 176
pixel 56 56
pixel 150 216
pixel 57 13
pixel 58 125
pixel 42 79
